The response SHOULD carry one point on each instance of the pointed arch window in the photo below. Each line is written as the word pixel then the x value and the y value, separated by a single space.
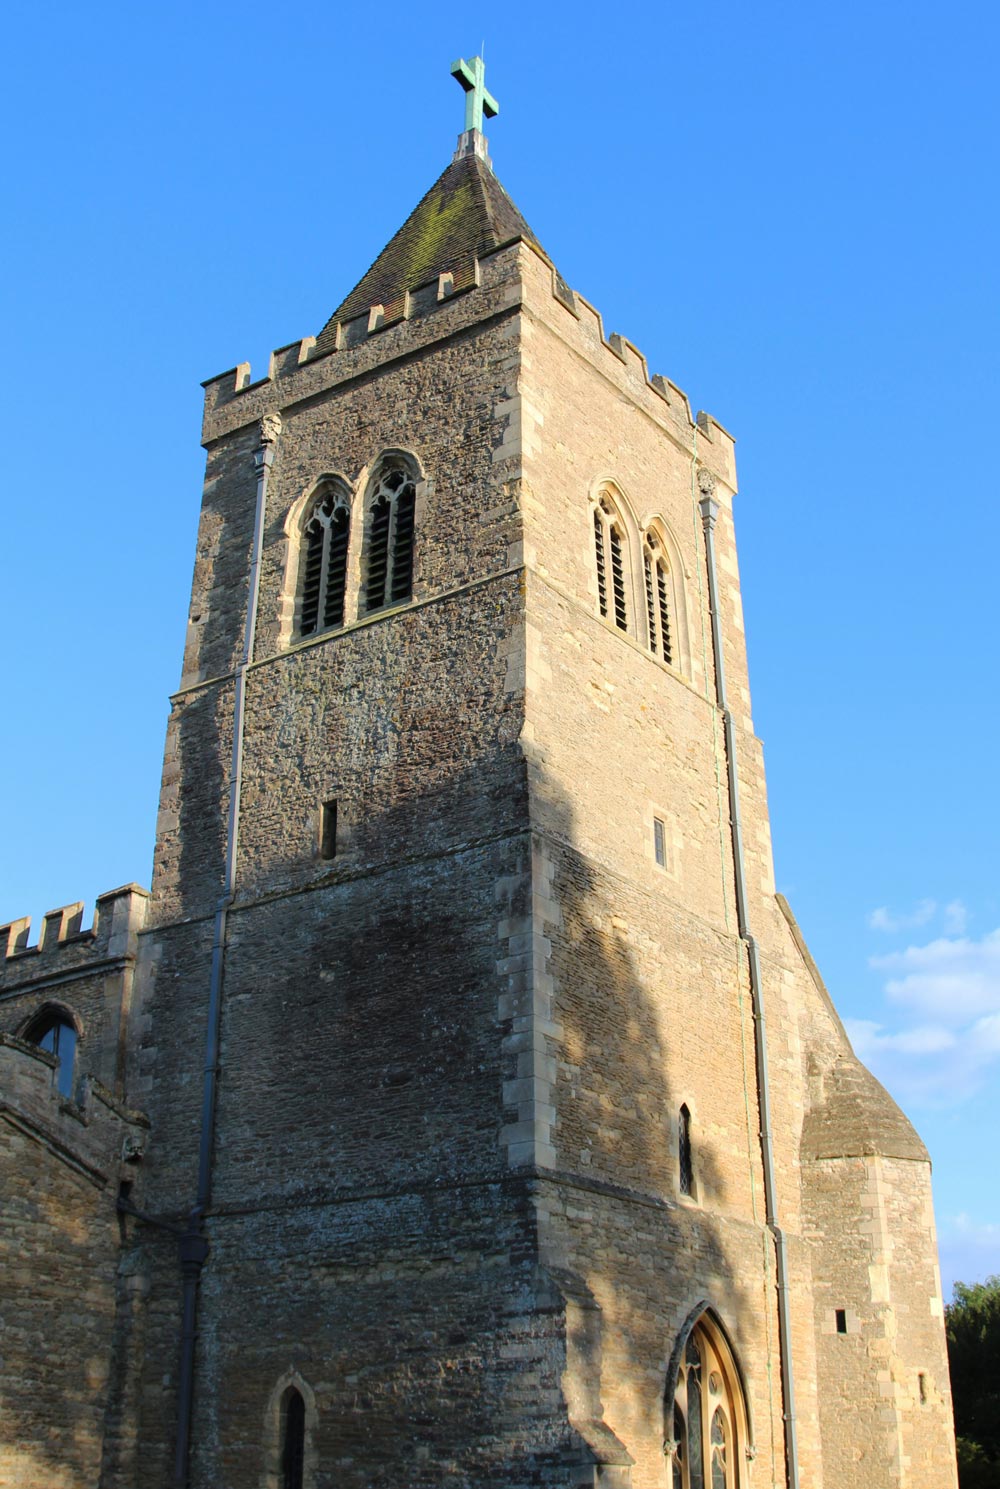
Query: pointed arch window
pixel 611 560
pixel 389 564
pixel 293 1441
pixel 56 1033
pixel 685 1153
pixel 658 601
pixel 323 565
pixel 708 1418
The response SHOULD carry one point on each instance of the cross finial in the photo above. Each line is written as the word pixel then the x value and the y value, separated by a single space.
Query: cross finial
pixel 472 76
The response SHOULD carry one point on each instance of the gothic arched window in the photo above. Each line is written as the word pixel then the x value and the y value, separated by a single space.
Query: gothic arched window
pixel 389 560
pixel 656 572
pixel 611 559
pixel 56 1033
pixel 708 1418
pixel 293 1440
pixel 323 565
pixel 685 1153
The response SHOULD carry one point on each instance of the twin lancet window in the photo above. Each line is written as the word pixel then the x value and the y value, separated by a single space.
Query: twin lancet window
pixel 387 559
pixel 614 581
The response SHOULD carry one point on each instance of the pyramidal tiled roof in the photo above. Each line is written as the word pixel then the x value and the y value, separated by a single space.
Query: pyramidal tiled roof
pixel 465 215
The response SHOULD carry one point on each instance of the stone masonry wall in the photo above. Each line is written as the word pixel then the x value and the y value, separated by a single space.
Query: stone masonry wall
pixel 648 1001
pixel 366 1235
pixel 60 1164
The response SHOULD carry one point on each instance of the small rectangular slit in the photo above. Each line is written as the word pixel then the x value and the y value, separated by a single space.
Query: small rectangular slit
pixel 659 843
pixel 328 830
pixel 841 1316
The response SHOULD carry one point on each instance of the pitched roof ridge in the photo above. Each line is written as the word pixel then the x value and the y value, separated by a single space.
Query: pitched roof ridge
pixel 481 171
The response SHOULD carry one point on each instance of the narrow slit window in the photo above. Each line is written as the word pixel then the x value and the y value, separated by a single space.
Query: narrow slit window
pixel 389 567
pixel 841 1316
pixel 328 830
pixel 293 1447
pixel 685 1157
pixel 660 842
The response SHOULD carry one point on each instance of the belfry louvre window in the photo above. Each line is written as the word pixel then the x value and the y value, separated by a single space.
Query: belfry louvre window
pixel 389 567
pixel 609 556
pixel 323 569
pixel 657 575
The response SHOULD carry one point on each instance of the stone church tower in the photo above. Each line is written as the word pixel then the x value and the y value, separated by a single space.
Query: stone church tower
pixel 463 1106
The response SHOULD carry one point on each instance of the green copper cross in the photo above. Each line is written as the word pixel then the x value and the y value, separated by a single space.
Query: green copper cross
pixel 472 76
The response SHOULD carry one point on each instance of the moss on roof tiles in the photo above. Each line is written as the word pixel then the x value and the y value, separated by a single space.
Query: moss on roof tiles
pixel 465 215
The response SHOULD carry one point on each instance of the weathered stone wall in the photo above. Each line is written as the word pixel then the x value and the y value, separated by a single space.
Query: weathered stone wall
pixel 365 1234
pixel 60 1167
pixel 645 977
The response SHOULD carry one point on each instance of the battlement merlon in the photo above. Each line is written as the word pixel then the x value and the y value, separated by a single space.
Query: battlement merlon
pixel 443 306
pixel 118 917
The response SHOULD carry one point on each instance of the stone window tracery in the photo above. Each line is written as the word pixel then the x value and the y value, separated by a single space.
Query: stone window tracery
pixel 656 572
pixel 611 561
pixel 323 563
pixel 708 1416
pixel 389 559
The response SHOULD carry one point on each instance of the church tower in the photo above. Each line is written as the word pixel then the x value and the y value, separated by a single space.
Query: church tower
pixel 506 1129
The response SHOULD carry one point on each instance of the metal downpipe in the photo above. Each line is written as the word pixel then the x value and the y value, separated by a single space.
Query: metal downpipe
pixel 194 1243
pixel 709 508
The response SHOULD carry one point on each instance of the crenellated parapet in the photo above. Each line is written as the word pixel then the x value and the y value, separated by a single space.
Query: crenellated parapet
pixel 64 945
pixel 442 306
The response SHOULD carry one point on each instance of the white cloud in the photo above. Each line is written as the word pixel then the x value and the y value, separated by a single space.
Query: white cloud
pixel 939 1035
pixel 952 978
pixel 883 918
pixel 867 1038
pixel 956 918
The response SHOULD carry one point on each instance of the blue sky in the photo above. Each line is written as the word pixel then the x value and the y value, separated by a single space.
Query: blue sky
pixel 791 210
